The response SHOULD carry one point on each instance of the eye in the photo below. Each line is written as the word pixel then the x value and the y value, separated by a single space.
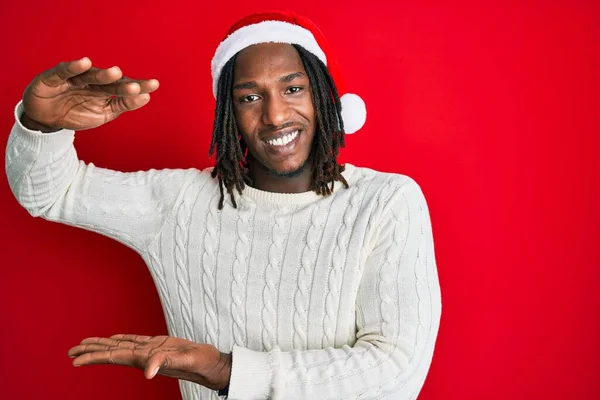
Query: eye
pixel 294 89
pixel 248 99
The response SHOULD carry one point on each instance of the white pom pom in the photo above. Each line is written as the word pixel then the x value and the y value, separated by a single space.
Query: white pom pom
pixel 354 112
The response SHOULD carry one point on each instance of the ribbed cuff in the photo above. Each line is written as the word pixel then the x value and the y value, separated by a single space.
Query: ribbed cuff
pixel 35 139
pixel 251 374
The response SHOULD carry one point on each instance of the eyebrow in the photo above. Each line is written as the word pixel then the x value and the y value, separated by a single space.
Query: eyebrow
pixel 291 77
pixel 284 79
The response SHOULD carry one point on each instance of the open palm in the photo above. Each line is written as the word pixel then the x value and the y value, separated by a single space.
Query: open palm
pixel 165 355
pixel 75 95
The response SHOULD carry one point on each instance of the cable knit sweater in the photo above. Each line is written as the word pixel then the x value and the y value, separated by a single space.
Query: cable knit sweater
pixel 317 297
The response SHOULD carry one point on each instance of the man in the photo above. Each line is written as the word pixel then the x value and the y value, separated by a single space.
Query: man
pixel 282 273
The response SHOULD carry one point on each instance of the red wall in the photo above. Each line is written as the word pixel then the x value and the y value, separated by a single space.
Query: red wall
pixel 492 109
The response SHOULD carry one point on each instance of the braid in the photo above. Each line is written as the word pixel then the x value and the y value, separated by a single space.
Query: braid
pixel 330 127
pixel 231 167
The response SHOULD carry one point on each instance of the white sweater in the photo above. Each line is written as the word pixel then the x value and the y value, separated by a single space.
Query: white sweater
pixel 317 297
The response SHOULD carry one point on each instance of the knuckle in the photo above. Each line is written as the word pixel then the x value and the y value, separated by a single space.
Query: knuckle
pixel 111 359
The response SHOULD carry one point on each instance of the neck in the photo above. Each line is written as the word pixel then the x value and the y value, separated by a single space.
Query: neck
pixel 270 181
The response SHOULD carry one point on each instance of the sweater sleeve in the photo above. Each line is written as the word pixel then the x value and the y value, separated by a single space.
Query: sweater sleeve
pixel 49 181
pixel 398 311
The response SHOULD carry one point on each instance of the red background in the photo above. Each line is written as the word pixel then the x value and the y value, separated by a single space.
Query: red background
pixel 492 109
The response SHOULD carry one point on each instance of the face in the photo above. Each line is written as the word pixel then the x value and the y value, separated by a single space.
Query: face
pixel 273 107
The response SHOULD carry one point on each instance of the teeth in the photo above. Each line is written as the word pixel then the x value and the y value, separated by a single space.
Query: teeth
pixel 282 141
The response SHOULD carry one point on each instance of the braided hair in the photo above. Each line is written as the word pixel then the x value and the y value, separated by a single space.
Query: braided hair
pixel 231 166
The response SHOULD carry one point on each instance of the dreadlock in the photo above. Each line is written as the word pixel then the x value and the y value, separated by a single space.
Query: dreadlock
pixel 231 166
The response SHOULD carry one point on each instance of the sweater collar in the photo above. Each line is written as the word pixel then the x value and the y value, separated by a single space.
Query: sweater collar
pixel 257 196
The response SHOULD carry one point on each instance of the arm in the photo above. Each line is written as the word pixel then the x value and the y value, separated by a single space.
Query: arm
pixel 49 181
pixel 398 309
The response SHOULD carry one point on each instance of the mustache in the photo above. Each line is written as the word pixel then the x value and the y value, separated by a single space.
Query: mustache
pixel 272 129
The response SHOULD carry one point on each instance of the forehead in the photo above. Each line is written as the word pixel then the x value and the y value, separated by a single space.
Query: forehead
pixel 267 59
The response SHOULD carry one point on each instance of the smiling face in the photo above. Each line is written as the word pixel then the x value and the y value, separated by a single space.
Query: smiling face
pixel 273 107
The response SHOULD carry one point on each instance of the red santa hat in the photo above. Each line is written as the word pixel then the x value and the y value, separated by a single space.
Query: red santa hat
pixel 288 27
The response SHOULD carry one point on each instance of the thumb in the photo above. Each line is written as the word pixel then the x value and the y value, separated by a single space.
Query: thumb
pixel 155 363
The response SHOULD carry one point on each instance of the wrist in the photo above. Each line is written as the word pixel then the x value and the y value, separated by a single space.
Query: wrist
pixel 225 361
pixel 36 126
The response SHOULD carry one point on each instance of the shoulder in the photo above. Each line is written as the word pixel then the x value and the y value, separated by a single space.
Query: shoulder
pixel 191 174
pixel 201 180
pixel 385 188
pixel 187 176
pixel 395 204
pixel 176 182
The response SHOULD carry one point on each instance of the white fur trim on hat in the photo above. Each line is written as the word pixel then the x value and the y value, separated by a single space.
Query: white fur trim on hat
pixel 262 32
pixel 354 112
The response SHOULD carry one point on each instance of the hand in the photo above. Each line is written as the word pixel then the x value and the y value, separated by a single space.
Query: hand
pixel 75 95
pixel 165 355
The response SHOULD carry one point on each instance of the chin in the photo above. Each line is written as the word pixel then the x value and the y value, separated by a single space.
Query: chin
pixel 289 171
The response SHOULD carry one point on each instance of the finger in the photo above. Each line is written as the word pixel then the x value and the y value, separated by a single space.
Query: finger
pixel 97 76
pixel 149 86
pixel 86 348
pixel 146 85
pixel 64 71
pixel 180 362
pixel 168 360
pixel 109 342
pixel 120 105
pixel 119 88
pixel 160 360
pixel 117 356
pixel 139 339
pixel 126 87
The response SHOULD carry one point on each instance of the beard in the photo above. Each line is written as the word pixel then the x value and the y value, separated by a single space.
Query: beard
pixel 290 174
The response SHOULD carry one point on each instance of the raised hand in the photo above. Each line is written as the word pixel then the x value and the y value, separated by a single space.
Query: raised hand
pixel 75 95
pixel 165 355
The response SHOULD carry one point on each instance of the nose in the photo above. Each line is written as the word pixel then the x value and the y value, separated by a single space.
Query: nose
pixel 276 110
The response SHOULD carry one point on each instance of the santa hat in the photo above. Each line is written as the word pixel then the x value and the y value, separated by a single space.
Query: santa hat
pixel 288 27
